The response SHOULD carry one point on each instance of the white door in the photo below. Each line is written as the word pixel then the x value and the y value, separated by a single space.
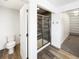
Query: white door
pixel 23 31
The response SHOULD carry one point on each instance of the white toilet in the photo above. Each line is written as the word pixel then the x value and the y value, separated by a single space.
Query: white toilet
pixel 10 44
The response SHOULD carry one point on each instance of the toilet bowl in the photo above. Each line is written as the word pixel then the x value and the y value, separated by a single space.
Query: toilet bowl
pixel 10 45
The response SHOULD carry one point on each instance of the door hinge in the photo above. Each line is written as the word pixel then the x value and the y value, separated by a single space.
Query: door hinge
pixel 27 58
pixel 27 34
pixel 26 10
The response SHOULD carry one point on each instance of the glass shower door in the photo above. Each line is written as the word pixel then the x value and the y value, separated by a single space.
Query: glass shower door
pixel 39 33
pixel 43 30
pixel 46 30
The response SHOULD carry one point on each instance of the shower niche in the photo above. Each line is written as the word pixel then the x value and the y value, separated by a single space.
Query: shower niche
pixel 43 27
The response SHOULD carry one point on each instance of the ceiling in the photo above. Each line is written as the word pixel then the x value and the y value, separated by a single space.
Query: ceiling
pixel 16 4
pixel 61 2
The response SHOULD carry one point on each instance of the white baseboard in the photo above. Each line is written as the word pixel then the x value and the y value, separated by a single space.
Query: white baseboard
pixel 64 39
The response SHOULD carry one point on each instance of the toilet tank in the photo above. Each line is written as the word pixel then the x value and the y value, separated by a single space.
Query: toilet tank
pixel 3 41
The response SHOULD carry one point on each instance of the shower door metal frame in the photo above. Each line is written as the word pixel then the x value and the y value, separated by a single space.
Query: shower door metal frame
pixel 49 27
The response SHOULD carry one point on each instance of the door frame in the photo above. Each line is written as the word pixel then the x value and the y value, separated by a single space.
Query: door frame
pixel 51 27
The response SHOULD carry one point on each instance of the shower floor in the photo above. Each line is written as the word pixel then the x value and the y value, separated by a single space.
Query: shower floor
pixel 41 42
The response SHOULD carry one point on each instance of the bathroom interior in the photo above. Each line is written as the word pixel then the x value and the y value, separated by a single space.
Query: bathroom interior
pixel 44 26
pixel 9 33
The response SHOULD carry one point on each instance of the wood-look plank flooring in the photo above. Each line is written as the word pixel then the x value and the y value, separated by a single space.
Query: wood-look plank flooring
pixel 53 53
pixel 4 54
pixel 71 45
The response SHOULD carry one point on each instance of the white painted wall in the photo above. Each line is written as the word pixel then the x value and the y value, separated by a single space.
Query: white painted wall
pixel 57 30
pixel 61 29
pixel 74 24
pixel 9 24
pixel 66 26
